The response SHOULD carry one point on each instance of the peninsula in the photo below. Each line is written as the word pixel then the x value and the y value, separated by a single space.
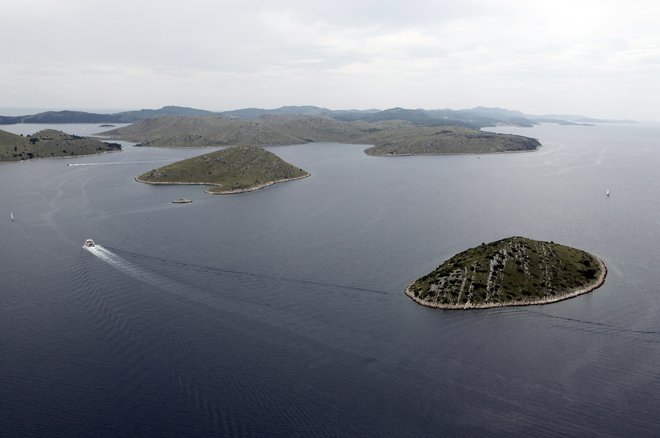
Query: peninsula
pixel 236 169
pixel 49 143
pixel 389 137
pixel 510 272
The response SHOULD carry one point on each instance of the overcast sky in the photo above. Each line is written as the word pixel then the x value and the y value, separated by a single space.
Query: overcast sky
pixel 595 58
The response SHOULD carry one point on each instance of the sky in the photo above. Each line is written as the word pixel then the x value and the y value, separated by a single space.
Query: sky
pixel 593 58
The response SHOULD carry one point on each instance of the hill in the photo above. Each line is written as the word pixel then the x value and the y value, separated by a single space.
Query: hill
pixel 164 111
pixel 203 131
pixel 509 272
pixel 86 117
pixel 255 113
pixel 66 117
pixel 474 118
pixel 49 143
pixel 233 170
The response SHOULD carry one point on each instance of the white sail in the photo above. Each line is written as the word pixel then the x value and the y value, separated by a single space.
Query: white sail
pixel 11 214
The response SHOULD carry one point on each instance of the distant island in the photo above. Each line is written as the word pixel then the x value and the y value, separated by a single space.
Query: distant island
pixel 65 116
pixel 236 169
pixel 510 272
pixel 49 143
pixel 393 137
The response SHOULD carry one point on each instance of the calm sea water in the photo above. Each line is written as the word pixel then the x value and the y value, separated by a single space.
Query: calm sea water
pixel 281 312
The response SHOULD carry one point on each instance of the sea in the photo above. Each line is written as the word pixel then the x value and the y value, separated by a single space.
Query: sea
pixel 281 312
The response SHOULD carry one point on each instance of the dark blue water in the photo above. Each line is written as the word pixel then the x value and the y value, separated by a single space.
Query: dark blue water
pixel 281 312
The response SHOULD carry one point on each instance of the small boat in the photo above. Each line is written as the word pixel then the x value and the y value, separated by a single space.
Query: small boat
pixel 89 243
pixel 181 201
pixel 607 193
pixel 11 215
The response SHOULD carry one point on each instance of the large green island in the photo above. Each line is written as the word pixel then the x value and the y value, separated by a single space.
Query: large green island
pixel 49 143
pixel 236 169
pixel 389 138
pixel 510 272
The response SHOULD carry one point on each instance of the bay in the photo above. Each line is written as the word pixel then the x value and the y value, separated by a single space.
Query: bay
pixel 281 312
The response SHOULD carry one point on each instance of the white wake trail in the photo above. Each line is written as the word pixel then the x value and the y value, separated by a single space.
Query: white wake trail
pixel 136 271
pixel 117 163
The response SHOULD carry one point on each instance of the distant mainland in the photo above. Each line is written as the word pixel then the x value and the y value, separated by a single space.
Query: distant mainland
pixel 509 272
pixel 478 117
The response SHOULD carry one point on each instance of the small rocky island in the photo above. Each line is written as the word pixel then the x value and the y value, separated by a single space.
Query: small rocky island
pixel 510 272
pixel 50 143
pixel 236 169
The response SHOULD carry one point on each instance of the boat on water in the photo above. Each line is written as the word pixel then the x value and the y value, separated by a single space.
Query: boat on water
pixel 607 193
pixel 89 243
pixel 11 215
pixel 181 201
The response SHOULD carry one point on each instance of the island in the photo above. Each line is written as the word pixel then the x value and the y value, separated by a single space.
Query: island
pixel 447 140
pixel 388 137
pixel 50 143
pixel 236 169
pixel 516 271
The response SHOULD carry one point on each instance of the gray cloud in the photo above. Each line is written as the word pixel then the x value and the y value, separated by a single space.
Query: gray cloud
pixel 599 58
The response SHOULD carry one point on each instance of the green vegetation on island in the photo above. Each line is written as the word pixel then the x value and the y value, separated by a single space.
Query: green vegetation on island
pixel 392 137
pixel 233 170
pixel 49 143
pixel 509 272
pixel 175 131
pixel 446 140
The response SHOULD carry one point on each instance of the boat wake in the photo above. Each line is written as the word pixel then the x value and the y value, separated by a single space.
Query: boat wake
pixel 174 265
pixel 115 163
pixel 247 293
pixel 136 271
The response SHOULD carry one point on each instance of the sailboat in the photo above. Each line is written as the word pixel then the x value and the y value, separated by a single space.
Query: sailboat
pixel 11 215
pixel 607 193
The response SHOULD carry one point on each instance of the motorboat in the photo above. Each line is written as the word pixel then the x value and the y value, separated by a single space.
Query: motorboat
pixel 89 243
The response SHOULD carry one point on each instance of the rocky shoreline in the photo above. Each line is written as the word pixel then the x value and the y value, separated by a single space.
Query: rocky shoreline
pixel 570 294
pixel 444 154
pixel 228 192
